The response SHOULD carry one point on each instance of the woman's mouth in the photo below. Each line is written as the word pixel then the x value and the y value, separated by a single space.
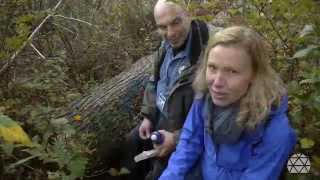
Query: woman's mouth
pixel 219 95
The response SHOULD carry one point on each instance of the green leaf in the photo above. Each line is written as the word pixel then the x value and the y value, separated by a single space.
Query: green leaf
pixel 3 55
pixel 14 42
pixel 307 29
pixel 77 166
pixel 6 121
pixel 7 148
pixel 306 143
pixel 306 81
pixel 304 52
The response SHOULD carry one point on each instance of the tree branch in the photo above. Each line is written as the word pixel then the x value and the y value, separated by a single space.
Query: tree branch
pixel 37 51
pixel 285 45
pixel 15 54
pixel 74 19
pixel 64 28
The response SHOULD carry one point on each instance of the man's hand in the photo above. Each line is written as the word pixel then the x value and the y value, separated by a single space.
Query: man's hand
pixel 168 144
pixel 145 128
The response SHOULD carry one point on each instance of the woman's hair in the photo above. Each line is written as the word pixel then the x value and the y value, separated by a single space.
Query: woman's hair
pixel 266 87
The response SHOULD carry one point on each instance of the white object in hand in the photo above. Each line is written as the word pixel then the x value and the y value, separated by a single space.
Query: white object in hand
pixel 146 155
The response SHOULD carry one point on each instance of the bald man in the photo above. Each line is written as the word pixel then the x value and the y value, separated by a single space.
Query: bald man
pixel 168 94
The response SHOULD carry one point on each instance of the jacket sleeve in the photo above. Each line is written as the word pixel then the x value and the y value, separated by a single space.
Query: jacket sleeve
pixel 189 148
pixel 148 108
pixel 270 156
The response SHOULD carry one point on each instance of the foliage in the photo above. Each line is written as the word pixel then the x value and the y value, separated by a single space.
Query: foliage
pixel 82 44
pixel 17 20
pixel 57 157
pixel 292 30
pixel 86 42
pixel 11 132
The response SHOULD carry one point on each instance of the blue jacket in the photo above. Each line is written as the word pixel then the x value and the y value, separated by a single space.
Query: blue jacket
pixel 259 155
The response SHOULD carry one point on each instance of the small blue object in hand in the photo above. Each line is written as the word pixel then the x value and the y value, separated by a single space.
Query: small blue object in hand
pixel 156 137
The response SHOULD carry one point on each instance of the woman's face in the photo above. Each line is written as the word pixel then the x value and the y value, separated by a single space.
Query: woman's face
pixel 228 74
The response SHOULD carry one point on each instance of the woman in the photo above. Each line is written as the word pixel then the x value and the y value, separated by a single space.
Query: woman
pixel 237 127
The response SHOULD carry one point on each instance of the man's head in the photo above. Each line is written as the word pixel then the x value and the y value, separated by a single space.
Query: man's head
pixel 173 22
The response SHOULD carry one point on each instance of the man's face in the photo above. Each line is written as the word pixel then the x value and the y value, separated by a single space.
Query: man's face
pixel 173 25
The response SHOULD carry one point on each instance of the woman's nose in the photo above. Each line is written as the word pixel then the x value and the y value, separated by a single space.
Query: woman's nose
pixel 218 80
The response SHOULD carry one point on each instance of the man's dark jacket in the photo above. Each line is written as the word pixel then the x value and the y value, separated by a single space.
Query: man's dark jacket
pixel 181 95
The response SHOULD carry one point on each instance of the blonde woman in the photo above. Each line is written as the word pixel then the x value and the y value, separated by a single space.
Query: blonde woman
pixel 237 127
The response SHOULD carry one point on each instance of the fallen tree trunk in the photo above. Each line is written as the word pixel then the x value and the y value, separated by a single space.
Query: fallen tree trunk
pixel 111 109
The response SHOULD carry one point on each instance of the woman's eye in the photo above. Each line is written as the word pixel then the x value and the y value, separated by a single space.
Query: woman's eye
pixel 211 68
pixel 232 71
pixel 162 27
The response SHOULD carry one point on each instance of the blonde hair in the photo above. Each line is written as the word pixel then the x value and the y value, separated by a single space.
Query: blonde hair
pixel 266 88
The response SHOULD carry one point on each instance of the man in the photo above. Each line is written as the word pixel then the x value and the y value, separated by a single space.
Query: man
pixel 168 94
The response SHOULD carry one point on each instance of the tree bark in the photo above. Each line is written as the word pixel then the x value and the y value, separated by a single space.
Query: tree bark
pixel 111 109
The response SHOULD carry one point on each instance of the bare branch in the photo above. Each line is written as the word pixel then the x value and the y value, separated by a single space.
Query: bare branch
pixel 6 65
pixel 64 28
pixel 57 5
pixel 277 31
pixel 37 51
pixel 74 19
pixel 188 4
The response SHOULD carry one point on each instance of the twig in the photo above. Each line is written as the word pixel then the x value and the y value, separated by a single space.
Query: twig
pixel 15 54
pixel 74 19
pixel 57 5
pixel 22 161
pixel 64 28
pixel 38 52
pixel 188 4
pixel 273 27
pixel 99 173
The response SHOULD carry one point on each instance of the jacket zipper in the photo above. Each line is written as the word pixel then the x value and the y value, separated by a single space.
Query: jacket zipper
pixel 176 87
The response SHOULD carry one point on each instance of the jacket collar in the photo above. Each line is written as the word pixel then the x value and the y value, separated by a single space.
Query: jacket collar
pixel 199 39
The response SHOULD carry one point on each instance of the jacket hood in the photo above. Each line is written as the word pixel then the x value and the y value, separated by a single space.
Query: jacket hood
pixel 282 108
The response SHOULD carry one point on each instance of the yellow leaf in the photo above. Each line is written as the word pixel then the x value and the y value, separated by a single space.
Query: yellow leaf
pixel 11 132
pixel 306 143
pixel 113 172
pixel 14 135
pixel 77 117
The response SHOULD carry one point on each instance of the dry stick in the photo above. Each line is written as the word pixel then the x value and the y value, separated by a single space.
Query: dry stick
pixel 74 19
pixel 5 66
pixel 188 4
pixel 38 52
pixel 64 28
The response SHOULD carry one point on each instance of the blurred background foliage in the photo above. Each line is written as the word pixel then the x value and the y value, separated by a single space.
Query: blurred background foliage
pixel 83 43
